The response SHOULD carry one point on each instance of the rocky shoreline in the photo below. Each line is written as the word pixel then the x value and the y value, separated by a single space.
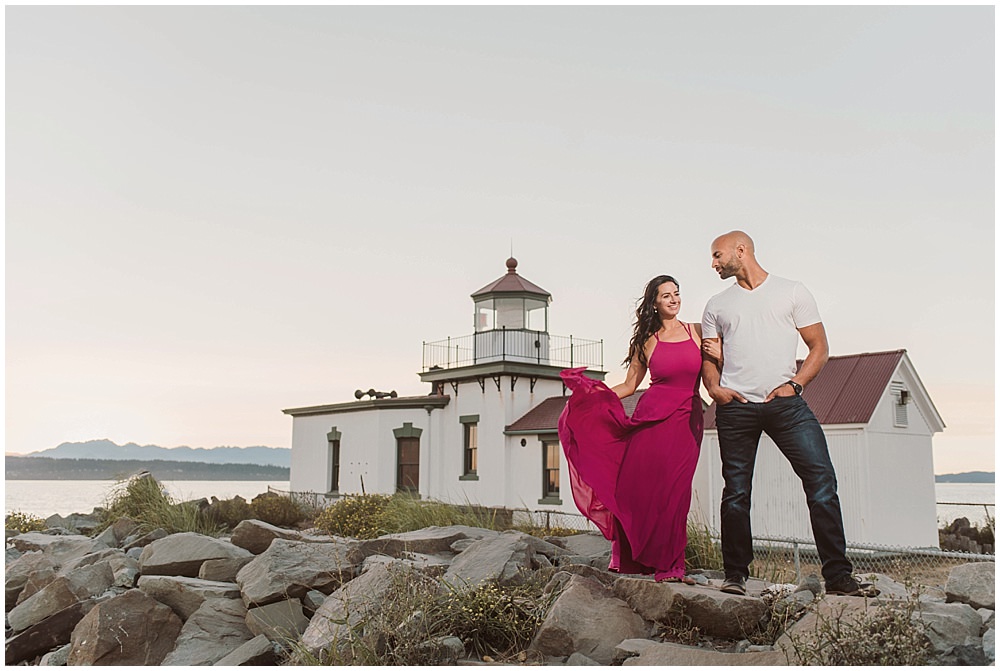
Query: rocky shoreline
pixel 267 596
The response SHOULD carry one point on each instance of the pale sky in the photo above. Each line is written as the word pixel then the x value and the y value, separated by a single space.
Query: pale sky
pixel 215 213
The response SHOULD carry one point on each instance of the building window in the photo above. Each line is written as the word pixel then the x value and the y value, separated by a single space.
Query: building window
pixel 900 397
pixel 407 458
pixel 550 472
pixel 333 440
pixel 470 449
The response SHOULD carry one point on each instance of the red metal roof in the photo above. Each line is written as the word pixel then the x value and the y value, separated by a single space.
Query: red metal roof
pixel 848 388
pixel 544 417
pixel 512 283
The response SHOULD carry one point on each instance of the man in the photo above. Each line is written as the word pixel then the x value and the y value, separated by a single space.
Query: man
pixel 757 389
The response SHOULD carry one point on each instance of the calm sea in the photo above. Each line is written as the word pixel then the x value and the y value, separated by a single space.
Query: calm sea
pixel 47 497
pixel 63 497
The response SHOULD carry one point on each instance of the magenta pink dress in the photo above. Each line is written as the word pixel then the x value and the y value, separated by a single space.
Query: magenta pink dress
pixel 632 476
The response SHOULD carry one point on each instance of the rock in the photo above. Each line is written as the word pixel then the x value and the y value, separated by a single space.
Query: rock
pixel 255 536
pixel 223 570
pixel 74 522
pixel 186 595
pixel 430 540
pixel 39 578
pixel 602 576
pixel 715 613
pixel 57 657
pixel 587 618
pixel 887 587
pixel 812 584
pixel 576 659
pixel 428 564
pixel 281 622
pixel 989 618
pixel 19 571
pixel 843 608
pixel 630 647
pixel 107 537
pixel 949 625
pixel 505 558
pixel 61 593
pixel 289 569
pixel 974 584
pixel 61 549
pixel 989 646
pixel 125 570
pixel 129 630
pixel 122 528
pixel 440 651
pixel 213 631
pixel 795 602
pixel 258 651
pixel 45 635
pixel 142 540
pixel 353 602
pixel 589 545
pixel 673 654
pixel 311 602
pixel 90 558
pixel 184 553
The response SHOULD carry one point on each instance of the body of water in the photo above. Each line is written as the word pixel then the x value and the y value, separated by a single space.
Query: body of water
pixel 63 497
pixel 47 497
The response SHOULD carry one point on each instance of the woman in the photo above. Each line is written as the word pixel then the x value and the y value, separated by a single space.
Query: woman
pixel 632 475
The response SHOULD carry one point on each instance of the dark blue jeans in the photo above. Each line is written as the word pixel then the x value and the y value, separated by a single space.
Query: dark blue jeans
pixel 794 429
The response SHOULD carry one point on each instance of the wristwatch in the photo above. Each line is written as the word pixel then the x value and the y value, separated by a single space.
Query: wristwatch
pixel 796 386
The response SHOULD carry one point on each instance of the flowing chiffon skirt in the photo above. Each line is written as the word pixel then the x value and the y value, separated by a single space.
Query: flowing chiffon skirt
pixel 632 476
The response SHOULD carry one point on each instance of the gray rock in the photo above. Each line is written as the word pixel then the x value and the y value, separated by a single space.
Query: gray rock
pixel 604 577
pixel 589 545
pixel 795 602
pixel 42 572
pixel 186 595
pixel 353 602
pixel 61 549
pixel 846 609
pixel 129 630
pixel 506 558
pixel 107 537
pixel 428 564
pixel 79 585
pixel 255 536
pixel 430 540
pixel 949 625
pixel 142 540
pixel 289 569
pixel 631 647
pixel 461 545
pixel 223 570
pixel 887 587
pixel 587 618
pixel 45 635
pixel 311 602
pixel 281 622
pixel 974 584
pixel 442 650
pixel 125 570
pixel 90 558
pixel 989 645
pixel 213 631
pixel 122 528
pixel 811 584
pixel 74 522
pixel 184 553
pixel 715 613
pixel 576 659
pixel 258 651
pixel 57 657
pixel 989 618
pixel 673 654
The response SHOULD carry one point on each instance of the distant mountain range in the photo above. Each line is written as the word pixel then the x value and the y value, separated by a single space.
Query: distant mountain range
pixel 106 449
pixel 971 476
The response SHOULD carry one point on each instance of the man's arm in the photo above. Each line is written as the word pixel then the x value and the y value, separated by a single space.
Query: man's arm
pixel 711 375
pixel 814 337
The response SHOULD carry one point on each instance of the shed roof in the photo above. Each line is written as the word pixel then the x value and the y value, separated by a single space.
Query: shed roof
pixel 543 418
pixel 512 283
pixel 848 388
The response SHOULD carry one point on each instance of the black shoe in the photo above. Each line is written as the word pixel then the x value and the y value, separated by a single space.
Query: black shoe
pixel 848 585
pixel 737 585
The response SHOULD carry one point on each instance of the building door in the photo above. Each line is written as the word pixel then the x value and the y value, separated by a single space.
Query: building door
pixel 408 464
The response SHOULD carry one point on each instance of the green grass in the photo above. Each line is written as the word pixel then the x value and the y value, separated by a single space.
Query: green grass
pixel 143 500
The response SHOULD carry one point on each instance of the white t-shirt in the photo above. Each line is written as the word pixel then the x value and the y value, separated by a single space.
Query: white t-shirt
pixel 759 333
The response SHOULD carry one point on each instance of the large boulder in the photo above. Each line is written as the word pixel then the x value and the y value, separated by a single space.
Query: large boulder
pixel 353 602
pixel 129 630
pixel 18 572
pixel 429 540
pixel 43 636
pixel 806 632
pixel 587 618
pixel 505 558
pixel 213 631
pixel 950 625
pixel 223 570
pixel 974 584
pixel 61 593
pixel 281 621
pixel 289 569
pixel 184 553
pixel 255 536
pixel 62 549
pixel 715 613
pixel 186 595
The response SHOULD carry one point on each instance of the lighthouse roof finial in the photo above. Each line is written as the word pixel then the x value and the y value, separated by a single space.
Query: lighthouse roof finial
pixel 512 265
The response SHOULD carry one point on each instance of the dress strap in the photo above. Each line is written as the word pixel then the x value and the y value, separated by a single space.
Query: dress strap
pixel 687 328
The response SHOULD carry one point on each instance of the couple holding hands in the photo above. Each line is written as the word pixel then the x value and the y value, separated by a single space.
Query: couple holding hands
pixel 632 476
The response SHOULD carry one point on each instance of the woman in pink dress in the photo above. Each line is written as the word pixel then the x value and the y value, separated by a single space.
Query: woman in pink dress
pixel 632 475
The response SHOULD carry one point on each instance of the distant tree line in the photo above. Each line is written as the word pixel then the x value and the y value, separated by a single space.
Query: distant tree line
pixel 44 468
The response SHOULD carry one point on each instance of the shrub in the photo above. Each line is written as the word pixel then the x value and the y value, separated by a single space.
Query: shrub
pixel 281 511
pixel 142 499
pixel 360 517
pixel 887 634
pixel 23 522
pixel 229 512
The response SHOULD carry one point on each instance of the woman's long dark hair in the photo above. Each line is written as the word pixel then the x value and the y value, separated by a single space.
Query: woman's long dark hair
pixel 647 320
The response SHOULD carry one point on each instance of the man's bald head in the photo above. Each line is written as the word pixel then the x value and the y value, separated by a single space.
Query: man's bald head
pixel 734 239
pixel 731 253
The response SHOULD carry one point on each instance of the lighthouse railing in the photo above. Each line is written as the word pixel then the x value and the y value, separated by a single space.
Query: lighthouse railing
pixel 514 345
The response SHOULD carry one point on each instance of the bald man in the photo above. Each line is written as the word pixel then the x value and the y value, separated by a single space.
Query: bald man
pixel 757 388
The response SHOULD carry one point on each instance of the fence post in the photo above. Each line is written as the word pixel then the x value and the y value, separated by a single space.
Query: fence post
pixel 798 567
pixel 449 351
pixel 571 351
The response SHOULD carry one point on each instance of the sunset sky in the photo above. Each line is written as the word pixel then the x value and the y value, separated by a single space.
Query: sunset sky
pixel 215 213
